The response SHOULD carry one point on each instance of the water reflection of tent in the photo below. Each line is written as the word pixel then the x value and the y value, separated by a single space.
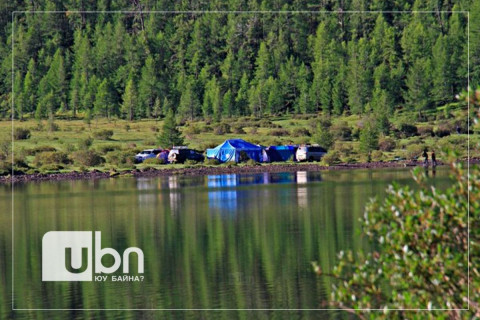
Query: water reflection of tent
pixel 227 195
pixel 221 198
pixel 230 150
pixel 281 153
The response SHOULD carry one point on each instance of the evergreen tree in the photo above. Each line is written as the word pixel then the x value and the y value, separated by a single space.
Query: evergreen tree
pixel 148 88
pixel 263 64
pixel 189 104
pixel 227 104
pixel 242 100
pixel 418 85
pixel 257 99
pixel 324 67
pixel 104 100
pixel 28 90
pixel 442 88
pixel 342 62
pixel 274 96
pixel 302 103
pixel 323 135
pixel 368 137
pixel 359 83
pixel 157 108
pixel 339 92
pixel 170 136
pixel 211 99
pixel 474 44
pixel 19 103
pixel 457 51
pixel 129 100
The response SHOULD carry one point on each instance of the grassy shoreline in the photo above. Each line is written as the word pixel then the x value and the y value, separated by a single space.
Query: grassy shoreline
pixel 74 146
pixel 150 171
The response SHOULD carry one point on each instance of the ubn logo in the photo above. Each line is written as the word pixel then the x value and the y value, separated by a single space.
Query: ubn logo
pixel 63 254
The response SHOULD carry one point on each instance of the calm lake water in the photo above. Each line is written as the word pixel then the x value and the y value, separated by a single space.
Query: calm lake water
pixel 210 242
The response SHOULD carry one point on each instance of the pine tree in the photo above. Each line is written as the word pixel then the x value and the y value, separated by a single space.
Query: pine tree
pixel 19 96
pixel 211 99
pixel 129 100
pixel 457 50
pixel 263 64
pixel 302 103
pixel 359 83
pixel 475 43
pixel 257 99
pixel 288 80
pixel 170 136
pixel 274 96
pixel 227 104
pixel 415 42
pixel 442 89
pixel 324 67
pixel 368 137
pixel 148 87
pixel 189 105
pixel 241 100
pixel 104 102
pixel 323 136
pixel 28 90
pixel 157 108
pixel 418 84
pixel 339 92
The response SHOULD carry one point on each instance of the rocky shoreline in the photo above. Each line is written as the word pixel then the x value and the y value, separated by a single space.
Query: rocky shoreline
pixel 205 170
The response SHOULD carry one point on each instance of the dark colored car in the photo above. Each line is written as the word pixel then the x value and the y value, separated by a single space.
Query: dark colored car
pixel 180 154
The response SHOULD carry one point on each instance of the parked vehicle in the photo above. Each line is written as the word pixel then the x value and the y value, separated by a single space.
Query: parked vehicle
pixel 310 153
pixel 180 154
pixel 146 154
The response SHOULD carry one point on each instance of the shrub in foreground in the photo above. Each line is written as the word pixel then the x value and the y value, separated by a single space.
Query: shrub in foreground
pixel 424 255
pixel 420 258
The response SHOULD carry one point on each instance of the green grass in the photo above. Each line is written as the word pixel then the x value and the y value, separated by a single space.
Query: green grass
pixel 141 134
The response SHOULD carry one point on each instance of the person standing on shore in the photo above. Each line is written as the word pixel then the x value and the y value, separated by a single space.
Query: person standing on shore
pixel 425 155
pixel 434 159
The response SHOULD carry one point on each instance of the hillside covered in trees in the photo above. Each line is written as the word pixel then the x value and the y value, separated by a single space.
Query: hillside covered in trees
pixel 138 64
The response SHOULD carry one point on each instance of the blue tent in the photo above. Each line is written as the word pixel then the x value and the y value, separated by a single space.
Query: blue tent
pixel 281 153
pixel 230 150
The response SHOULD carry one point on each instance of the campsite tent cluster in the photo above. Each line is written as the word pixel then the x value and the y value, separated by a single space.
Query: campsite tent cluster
pixel 239 150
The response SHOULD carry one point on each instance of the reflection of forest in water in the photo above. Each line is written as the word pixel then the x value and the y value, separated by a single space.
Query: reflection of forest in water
pixel 218 241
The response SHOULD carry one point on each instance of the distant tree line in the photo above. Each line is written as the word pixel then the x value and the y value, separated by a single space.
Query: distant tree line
pixel 213 65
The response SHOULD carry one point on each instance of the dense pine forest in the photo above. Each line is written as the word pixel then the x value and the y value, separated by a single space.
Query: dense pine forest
pixel 139 64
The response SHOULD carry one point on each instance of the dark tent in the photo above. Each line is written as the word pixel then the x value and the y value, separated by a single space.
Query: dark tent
pixel 281 153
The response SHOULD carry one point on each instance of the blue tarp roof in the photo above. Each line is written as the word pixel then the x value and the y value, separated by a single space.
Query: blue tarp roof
pixel 240 144
pixel 230 150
